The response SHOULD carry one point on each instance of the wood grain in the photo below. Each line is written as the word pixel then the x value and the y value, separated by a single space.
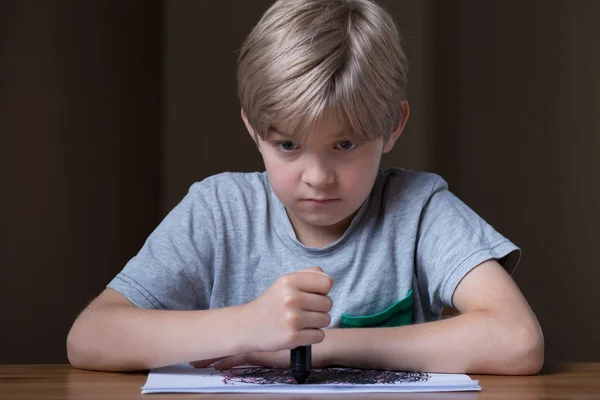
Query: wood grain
pixel 54 382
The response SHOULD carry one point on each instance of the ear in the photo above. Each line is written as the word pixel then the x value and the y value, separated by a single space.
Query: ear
pixel 249 129
pixel 389 145
pixel 248 126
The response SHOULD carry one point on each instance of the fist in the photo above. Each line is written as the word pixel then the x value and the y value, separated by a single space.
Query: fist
pixel 291 312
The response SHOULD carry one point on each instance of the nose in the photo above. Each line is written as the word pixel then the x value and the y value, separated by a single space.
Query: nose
pixel 318 174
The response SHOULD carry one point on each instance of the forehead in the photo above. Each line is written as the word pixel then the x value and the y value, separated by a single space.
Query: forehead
pixel 326 126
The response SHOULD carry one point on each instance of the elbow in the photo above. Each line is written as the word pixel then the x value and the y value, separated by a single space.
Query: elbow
pixel 87 351
pixel 80 353
pixel 75 353
pixel 528 353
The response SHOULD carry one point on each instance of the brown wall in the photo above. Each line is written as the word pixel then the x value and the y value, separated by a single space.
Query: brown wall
pixel 79 159
pixel 109 111
pixel 529 152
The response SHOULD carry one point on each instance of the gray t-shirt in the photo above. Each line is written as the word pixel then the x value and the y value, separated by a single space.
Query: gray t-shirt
pixel 229 239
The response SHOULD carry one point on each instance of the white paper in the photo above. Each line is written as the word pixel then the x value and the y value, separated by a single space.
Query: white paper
pixel 183 378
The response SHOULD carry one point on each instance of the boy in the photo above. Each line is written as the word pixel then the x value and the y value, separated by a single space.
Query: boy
pixel 250 265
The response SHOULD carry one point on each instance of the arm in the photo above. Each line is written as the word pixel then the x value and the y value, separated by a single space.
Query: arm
pixel 496 333
pixel 113 335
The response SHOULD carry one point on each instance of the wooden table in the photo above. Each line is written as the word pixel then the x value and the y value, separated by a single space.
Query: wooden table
pixel 50 382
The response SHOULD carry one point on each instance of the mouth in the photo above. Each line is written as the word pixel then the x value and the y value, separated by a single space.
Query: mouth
pixel 320 201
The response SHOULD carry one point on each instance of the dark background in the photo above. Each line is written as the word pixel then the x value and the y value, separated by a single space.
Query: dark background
pixel 110 110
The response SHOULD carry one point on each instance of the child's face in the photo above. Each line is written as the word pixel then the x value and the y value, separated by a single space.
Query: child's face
pixel 325 179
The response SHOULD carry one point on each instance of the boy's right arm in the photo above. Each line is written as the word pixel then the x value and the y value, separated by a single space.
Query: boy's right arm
pixel 111 334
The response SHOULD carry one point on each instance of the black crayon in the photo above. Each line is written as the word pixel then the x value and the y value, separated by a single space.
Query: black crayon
pixel 300 363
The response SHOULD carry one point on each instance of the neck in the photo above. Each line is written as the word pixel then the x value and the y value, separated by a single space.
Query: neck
pixel 319 236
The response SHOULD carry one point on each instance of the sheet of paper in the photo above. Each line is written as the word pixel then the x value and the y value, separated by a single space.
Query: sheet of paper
pixel 250 379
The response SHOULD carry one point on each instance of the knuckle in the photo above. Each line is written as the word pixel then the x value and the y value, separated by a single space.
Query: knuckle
pixel 291 339
pixel 290 300
pixel 290 280
pixel 285 280
pixel 291 319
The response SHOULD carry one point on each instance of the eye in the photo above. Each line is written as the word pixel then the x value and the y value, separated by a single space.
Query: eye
pixel 286 146
pixel 345 145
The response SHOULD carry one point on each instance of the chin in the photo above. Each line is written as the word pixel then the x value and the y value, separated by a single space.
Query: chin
pixel 322 220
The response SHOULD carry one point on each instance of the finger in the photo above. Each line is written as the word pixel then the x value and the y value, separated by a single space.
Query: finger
pixel 233 361
pixel 314 302
pixel 204 363
pixel 310 282
pixel 299 321
pixel 307 337
pixel 313 320
pixel 315 268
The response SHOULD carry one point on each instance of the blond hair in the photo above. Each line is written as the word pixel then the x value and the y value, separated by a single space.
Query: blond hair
pixel 305 57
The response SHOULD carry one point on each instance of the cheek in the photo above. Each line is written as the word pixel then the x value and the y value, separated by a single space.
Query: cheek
pixel 281 176
pixel 359 177
pixel 357 181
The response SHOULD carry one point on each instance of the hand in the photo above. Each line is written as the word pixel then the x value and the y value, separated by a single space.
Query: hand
pixel 290 313
pixel 272 359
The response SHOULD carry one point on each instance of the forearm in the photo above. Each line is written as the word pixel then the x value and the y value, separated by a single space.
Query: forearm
pixel 125 338
pixel 476 342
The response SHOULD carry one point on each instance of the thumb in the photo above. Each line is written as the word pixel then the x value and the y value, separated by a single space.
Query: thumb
pixel 316 269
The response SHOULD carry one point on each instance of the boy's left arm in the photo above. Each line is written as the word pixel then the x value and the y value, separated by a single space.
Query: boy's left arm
pixel 496 333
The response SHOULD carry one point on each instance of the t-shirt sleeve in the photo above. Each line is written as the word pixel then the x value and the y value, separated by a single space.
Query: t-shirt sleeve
pixel 452 240
pixel 173 269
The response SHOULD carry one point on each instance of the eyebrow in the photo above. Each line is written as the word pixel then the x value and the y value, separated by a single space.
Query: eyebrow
pixel 276 131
